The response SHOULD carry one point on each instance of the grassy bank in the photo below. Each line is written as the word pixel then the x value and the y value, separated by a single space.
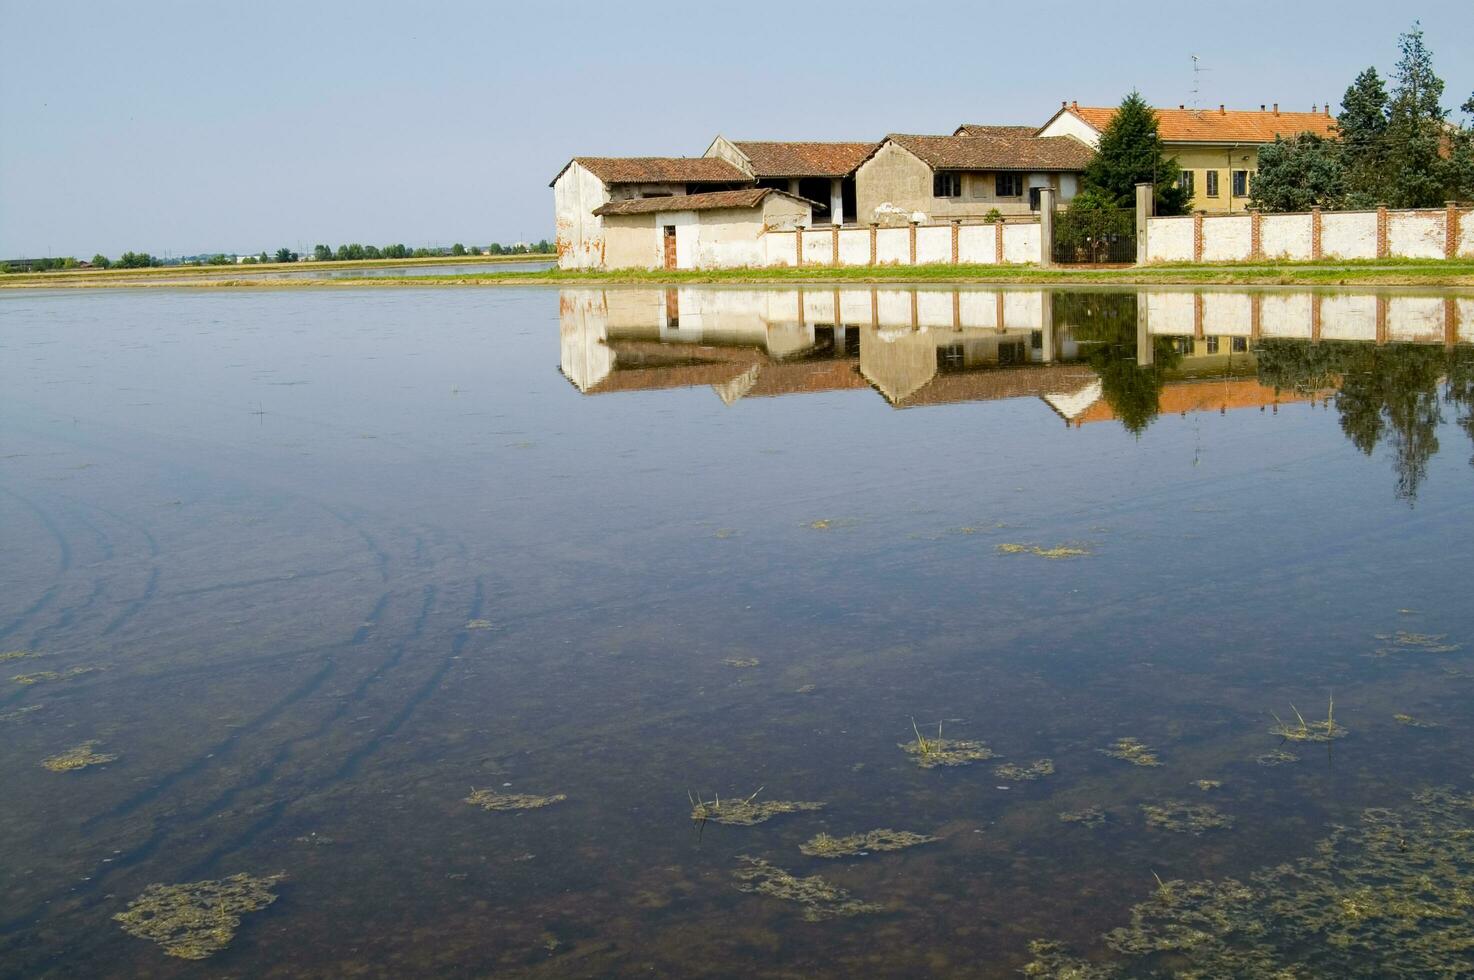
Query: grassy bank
pixel 1385 272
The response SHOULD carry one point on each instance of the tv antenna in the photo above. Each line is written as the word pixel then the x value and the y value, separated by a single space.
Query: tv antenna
pixel 1198 70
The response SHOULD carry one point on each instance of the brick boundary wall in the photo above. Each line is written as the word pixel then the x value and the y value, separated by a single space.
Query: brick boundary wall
pixel 1256 234
pixel 998 242
pixel 1315 236
pixel 1197 236
pixel 956 231
pixel 874 234
pixel 913 242
pixel 1382 248
pixel 798 247
pixel 1451 230
pixel 834 250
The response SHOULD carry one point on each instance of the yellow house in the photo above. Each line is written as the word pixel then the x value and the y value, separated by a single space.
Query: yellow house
pixel 1218 149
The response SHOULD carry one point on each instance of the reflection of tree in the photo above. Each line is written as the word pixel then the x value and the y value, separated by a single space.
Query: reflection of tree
pixel 1460 391
pixel 1387 393
pixel 1105 324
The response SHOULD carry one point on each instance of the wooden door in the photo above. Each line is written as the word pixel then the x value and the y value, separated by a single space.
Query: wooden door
pixel 670 246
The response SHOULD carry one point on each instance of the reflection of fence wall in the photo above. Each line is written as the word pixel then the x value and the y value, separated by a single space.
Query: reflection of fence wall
pixel 1446 232
pixel 922 244
pixel 1374 317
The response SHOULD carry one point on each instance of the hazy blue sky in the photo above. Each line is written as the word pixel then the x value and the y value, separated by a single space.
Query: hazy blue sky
pixel 185 127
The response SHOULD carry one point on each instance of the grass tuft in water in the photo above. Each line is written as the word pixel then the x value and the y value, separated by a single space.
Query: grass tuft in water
pixel 820 900
pixel 739 812
pixel 859 845
pixel 488 799
pixel 932 752
pixel 196 920
pixel 1315 731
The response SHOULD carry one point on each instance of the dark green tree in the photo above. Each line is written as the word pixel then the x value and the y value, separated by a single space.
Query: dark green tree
pixel 1090 224
pixel 285 255
pixel 322 253
pixel 1299 173
pixel 1131 153
pixel 1362 129
pixel 458 249
pixel 1104 324
pixel 100 261
pixel 1415 128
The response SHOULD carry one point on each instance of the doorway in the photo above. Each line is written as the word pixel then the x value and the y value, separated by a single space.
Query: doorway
pixel 670 246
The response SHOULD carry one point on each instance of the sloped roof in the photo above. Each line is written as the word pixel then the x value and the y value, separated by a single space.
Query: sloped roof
pixel 804 159
pixel 1219 126
pixel 1047 153
pixel 747 197
pixel 659 170
pixel 1014 132
pixel 999 383
pixel 1209 395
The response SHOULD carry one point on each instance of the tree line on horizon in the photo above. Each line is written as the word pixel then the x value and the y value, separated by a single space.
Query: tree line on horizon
pixel 320 253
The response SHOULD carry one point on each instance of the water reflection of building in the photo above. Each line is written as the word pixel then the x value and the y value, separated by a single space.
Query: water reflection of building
pixel 920 347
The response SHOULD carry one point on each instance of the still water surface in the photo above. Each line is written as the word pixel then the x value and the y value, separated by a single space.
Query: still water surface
pixel 339 559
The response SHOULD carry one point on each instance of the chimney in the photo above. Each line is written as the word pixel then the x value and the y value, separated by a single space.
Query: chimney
pixel 1075 105
pixel 1063 104
pixel 1328 108
pixel 1261 107
pixel 1181 105
pixel 1314 107
pixel 1221 111
pixel 1276 108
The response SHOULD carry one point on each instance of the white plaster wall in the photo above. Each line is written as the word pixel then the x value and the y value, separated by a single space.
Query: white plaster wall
pixel 1068 186
pixel 1228 314
pixel 779 247
pixel 1466 234
pixel 688 235
pixel 893 246
pixel 1285 315
pixel 1348 234
pixel 977 244
pixel 1069 124
pixel 1169 239
pixel 933 244
pixel 1415 319
pixel 854 246
pixel 1170 314
pixel 818 247
pixel 1464 313
pixel 934 308
pixel 818 306
pixel 1227 239
pixel 893 307
pixel 1416 234
pixel 979 308
pixel 1285 236
pixel 1023 309
pixel 1348 317
pixel 1021 243
pixel 854 304
pixel 583 330
pixel 578 233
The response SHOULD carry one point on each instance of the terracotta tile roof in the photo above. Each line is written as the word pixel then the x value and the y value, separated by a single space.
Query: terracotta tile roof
pixel 999 383
pixel 773 159
pixel 660 170
pixel 807 377
pixel 1182 397
pixel 747 197
pixel 1014 132
pixel 1228 126
pixel 998 152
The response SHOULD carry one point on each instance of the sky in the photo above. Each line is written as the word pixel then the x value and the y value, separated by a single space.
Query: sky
pixel 180 128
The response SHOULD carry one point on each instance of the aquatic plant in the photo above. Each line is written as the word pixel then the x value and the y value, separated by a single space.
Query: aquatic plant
pixel 1090 816
pixel 1278 757
pixel 1314 731
pixel 52 675
pixel 77 757
pixel 939 751
pixel 820 899
pixel 823 524
pixel 1411 722
pixel 739 812
pixel 741 663
pixel 1017 773
pixel 858 845
pixel 488 799
pixel 480 624
pixel 13 655
pixel 19 712
pixel 1404 641
pixel 1207 784
pixel 1057 552
pixel 1132 750
pixel 1386 897
pixel 1185 818
pixel 198 919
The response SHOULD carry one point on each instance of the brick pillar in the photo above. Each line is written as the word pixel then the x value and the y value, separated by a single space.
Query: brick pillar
pixel 801 307
pixel 798 246
pixel 1315 248
pixel 998 313
pixel 1451 230
pixel 1256 238
pixel 915 314
pixel 913 242
pixel 1450 322
pixel 872 243
pixel 1256 316
pixel 1197 316
pixel 998 241
pixel 956 309
pixel 874 305
pixel 1197 236
pixel 835 259
pixel 956 232
pixel 1381 320
pixel 1382 249
pixel 1315 300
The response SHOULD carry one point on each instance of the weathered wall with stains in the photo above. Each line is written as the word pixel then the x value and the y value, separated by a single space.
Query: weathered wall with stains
pixel 1422 234
pixel 976 244
pixel 579 233
pixel 730 238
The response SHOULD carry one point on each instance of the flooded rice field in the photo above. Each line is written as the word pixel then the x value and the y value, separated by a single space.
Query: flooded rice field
pixel 715 632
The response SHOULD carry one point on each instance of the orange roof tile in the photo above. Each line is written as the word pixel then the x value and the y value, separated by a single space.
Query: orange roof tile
pixel 1182 397
pixel 804 159
pixel 1220 126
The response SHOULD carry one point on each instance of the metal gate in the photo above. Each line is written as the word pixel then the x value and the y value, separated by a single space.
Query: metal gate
pixel 1095 236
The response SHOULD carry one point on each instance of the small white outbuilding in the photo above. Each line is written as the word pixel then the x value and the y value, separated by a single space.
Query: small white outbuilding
pixel 718 229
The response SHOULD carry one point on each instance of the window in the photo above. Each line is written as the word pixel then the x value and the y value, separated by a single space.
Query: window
pixel 1186 182
pixel 979 186
pixel 1241 345
pixel 946 185
pixel 1008 185
pixel 1212 345
pixel 950 358
pixel 1184 346
pixel 1011 353
pixel 1211 184
pixel 1241 183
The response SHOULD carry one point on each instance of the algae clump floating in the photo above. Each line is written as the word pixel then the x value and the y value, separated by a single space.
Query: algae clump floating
pixel 741 663
pixel 77 757
pixel 1017 773
pixel 1386 897
pixel 1405 642
pixel 1410 722
pixel 858 845
pixel 1278 757
pixel 1090 816
pixel 488 799
pixel 932 752
pixel 1207 784
pixel 739 812
pixel 1132 750
pixel 820 899
pixel 52 675
pixel 13 655
pixel 1185 818
pixel 1057 552
pixel 1301 730
pixel 198 919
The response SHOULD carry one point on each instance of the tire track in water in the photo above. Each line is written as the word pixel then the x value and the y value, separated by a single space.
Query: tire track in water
pixel 64 564
pixel 68 614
